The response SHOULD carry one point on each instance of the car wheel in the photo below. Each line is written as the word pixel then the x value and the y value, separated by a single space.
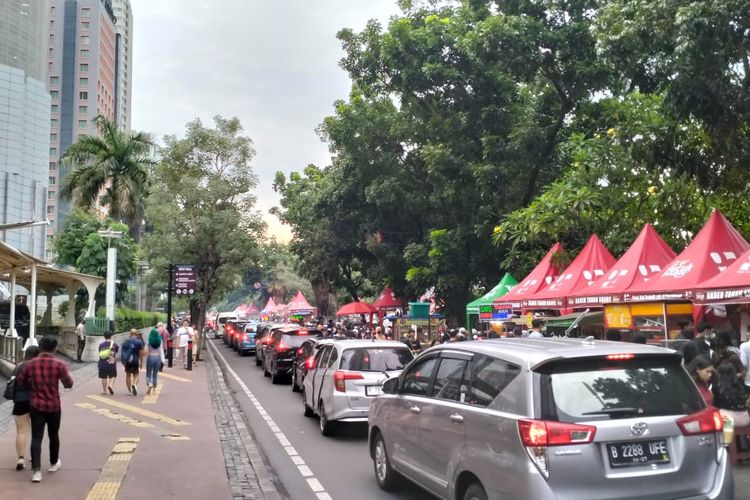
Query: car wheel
pixel 274 376
pixel 475 492
pixel 326 426
pixel 386 477
pixel 295 387
pixel 266 373
pixel 308 411
pixel 257 360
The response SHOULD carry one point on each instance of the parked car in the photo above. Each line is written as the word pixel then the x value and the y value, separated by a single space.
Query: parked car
pixel 279 353
pixel 347 375
pixel 238 332
pixel 221 320
pixel 549 419
pixel 245 339
pixel 262 339
pixel 304 360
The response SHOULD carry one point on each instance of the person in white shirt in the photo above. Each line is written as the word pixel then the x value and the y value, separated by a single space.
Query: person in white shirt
pixel 536 329
pixel 745 357
pixel 184 334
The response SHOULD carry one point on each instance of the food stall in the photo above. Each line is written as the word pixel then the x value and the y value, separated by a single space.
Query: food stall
pixel 484 307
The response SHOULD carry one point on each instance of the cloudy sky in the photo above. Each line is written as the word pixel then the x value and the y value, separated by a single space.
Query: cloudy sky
pixel 272 63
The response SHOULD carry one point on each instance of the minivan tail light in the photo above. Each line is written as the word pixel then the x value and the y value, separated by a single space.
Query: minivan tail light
pixel 538 435
pixel 340 377
pixel 705 421
pixel 620 357
pixel 548 433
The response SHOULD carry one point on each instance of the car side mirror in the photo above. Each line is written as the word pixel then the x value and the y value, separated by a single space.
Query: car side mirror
pixel 391 386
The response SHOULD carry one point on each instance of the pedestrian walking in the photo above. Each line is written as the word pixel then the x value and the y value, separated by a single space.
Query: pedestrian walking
pixel 154 359
pixel 108 363
pixel 183 335
pixel 132 356
pixel 197 340
pixel 164 340
pixel 81 338
pixel 22 408
pixel 44 374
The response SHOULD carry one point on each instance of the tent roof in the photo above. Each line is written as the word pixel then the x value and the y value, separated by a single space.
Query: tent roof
pixel 299 303
pixel 647 256
pixel 716 246
pixel 270 306
pixel 729 286
pixel 502 288
pixel 356 308
pixel 542 275
pixel 387 300
pixel 593 262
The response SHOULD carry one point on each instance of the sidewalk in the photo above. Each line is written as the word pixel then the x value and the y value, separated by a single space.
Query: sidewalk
pixel 161 446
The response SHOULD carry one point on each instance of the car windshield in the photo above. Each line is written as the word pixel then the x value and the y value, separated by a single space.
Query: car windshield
pixel 601 389
pixel 376 359
pixel 296 339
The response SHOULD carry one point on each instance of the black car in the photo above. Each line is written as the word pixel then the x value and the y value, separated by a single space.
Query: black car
pixel 303 360
pixel 237 329
pixel 262 337
pixel 280 351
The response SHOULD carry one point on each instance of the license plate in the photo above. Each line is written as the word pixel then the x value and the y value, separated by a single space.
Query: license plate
pixel 638 453
pixel 373 390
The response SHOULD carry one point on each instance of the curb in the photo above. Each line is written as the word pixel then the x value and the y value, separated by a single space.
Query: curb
pixel 244 433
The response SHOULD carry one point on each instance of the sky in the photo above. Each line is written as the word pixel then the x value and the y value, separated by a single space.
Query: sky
pixel 272 63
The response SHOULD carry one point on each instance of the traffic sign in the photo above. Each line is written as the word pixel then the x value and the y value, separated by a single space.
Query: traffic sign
pixel 184 279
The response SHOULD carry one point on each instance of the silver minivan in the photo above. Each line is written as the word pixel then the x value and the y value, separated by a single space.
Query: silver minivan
pixel 346 375
pixel 549 419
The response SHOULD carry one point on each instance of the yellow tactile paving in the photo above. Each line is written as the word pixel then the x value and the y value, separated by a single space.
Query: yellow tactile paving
pixel 153 397
pixel 169 376
pixel 138 411
pixel 104 412
pixel 108 484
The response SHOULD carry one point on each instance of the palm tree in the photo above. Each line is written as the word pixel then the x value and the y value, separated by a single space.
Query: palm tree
pixel 112 169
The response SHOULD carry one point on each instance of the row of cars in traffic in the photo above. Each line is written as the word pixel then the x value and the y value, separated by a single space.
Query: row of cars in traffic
pixel 508 418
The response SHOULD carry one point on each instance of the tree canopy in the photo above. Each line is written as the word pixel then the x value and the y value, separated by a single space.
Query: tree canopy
pixel 479 132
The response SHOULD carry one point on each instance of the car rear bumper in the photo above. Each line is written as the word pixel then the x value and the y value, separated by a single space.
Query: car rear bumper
pixel 247 346
pixel 343 412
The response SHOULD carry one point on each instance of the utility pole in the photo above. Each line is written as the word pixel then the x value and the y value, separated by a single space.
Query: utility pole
pixel 170 328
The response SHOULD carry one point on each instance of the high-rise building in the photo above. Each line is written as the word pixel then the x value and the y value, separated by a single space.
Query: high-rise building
pixel 24 122
pixel 81 72
pixel 124 67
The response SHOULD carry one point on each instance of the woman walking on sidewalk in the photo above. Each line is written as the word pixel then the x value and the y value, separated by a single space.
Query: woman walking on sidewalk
pixel 108 363
pixel 21 409
pixel 154 359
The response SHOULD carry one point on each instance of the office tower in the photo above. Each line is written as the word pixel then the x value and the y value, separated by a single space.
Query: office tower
pixel 124 64
pixel 24 122
pixel 81 67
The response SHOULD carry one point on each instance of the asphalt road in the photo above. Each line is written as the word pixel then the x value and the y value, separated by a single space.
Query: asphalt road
pixel 341 464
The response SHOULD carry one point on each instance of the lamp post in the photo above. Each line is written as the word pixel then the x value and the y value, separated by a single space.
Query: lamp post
pixel 109 301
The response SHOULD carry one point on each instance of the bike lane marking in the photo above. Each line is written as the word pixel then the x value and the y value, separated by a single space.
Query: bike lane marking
pixel 139 411
pixel 297 460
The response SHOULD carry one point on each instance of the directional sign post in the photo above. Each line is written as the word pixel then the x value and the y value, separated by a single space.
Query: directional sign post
pixel 184 280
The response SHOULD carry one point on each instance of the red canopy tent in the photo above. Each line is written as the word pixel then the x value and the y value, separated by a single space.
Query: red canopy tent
pixel 542 275
pixel 646 257
pixel 354 308
pixel 299 305
pixel 270 306
pixel 716 246
pixel 386 300
pixel 592 263
pixel 729 286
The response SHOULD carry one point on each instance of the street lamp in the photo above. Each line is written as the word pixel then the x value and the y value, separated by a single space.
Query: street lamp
pixel 109 301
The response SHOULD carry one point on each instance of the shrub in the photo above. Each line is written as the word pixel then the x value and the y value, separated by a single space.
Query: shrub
pixel 125 318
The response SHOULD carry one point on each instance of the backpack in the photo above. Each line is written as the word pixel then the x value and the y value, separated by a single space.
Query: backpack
pixel 128 352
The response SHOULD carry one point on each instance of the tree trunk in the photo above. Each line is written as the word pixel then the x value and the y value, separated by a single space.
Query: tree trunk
pixel 322 290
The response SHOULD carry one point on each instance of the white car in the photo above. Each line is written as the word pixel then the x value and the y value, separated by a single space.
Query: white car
pixel 345 377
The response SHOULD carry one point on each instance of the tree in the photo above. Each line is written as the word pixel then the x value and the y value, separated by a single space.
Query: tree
pixel 80 246
pixel 112 169
pixel 201 211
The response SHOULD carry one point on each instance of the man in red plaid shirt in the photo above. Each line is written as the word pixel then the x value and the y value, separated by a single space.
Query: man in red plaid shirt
pixel 44 374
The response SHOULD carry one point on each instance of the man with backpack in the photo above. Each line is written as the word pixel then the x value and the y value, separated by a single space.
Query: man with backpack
pixel 132 355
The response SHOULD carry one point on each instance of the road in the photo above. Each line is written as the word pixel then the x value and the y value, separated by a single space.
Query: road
pixel 340 464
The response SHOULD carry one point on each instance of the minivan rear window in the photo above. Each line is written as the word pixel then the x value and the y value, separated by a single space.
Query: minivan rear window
pixel 376 359
pixel 602 389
